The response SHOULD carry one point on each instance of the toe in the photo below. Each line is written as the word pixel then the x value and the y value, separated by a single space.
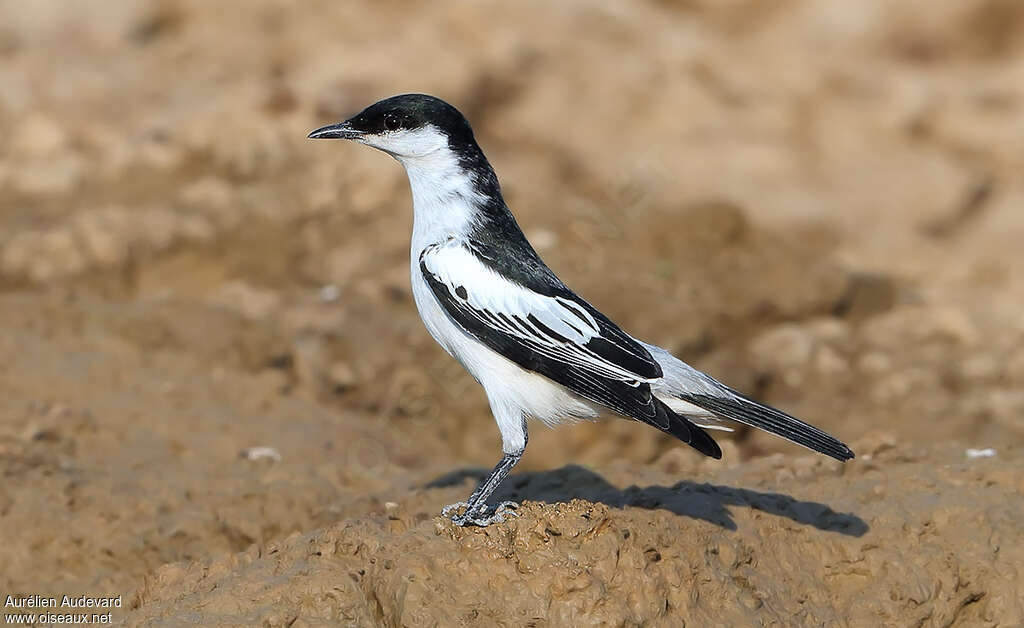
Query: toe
pixel 479 521
pixel 480 516
pixel 450 508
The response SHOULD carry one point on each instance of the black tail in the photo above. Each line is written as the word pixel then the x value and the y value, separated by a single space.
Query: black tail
pixel 686 431
pixel 749 412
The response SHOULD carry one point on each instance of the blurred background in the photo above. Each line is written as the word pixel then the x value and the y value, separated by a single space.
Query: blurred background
pixel 820 202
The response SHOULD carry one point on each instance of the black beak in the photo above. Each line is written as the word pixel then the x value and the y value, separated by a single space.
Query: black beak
pixel 341 131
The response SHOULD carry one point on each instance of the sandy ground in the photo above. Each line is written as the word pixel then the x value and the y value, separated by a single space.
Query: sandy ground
pixel 217 401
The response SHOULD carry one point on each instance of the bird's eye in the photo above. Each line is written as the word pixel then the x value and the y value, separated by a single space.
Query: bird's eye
pixel 391 121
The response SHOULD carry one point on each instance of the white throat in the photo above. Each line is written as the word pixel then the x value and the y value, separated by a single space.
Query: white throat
pixel 444 199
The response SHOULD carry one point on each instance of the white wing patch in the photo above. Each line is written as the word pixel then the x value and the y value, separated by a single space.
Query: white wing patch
pixel 552 326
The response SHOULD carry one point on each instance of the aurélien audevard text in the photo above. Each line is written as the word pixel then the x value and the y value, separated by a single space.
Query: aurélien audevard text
pixel 66 601
pixel 67 609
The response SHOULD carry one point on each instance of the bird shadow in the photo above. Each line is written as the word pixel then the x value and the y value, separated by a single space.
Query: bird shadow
pixel 707 502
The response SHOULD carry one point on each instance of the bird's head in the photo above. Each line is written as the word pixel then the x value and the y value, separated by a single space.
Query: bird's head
pixel 407 127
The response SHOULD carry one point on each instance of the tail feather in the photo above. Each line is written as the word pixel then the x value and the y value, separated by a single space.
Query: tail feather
pixel 686 431
pixel 749 412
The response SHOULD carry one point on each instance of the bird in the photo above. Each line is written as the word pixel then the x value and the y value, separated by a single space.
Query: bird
pixel 539 350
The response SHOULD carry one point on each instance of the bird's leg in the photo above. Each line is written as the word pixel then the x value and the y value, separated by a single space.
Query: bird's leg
pixel 514 437
pixel 476 506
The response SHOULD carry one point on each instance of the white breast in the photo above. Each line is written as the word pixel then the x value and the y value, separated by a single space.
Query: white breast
pixel 444 204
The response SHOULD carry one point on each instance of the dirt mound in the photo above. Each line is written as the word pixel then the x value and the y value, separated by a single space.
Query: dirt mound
pixel 709 553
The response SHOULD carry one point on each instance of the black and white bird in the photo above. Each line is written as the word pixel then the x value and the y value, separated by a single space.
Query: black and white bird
pixel 538 349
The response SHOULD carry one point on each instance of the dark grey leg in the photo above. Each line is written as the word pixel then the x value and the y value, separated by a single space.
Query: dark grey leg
pixel 476 512
pixel 476 506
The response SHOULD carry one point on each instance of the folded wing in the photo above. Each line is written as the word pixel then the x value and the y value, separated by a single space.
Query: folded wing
pixel 559 336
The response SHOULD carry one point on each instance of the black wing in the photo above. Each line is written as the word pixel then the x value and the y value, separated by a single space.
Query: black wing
pixel 557 335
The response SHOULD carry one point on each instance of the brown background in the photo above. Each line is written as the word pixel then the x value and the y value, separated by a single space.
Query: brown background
pixel 817 201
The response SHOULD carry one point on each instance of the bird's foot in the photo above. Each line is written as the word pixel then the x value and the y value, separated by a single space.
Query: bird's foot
pixel 479 517
pixel 508 508
pixel 450 508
